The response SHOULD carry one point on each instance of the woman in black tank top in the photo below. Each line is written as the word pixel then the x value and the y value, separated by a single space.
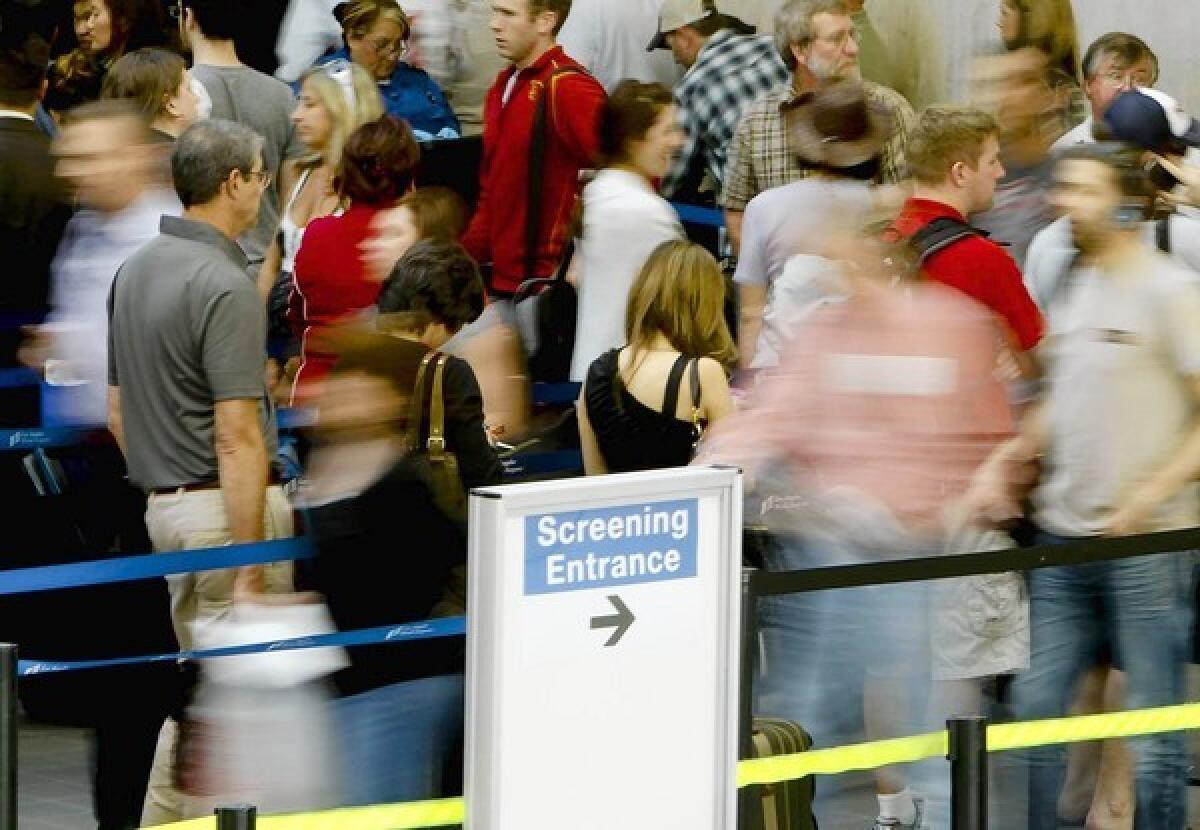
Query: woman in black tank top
pixel 675 308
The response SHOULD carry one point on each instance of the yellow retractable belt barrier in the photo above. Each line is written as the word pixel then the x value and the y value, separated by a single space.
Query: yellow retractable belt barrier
pixel 1000 738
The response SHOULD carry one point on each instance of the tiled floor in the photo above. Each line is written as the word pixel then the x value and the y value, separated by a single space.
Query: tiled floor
pixel 52 780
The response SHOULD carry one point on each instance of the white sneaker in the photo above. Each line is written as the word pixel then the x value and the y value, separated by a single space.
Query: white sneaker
pixel 918 822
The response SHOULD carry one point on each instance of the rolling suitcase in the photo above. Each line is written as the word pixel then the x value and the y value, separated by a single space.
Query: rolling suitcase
pixel 788 804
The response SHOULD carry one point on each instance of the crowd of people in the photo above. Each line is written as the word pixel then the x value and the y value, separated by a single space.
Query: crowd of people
pixel 921 332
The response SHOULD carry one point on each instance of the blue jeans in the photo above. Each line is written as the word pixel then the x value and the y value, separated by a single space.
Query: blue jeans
pixel 395 739
pixel 1142 608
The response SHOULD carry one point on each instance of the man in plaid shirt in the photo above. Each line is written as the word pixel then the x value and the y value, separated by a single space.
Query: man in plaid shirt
pixel 817 39
pixel 728 69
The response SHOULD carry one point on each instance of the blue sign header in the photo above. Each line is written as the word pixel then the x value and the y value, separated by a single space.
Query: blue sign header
pixel 584 549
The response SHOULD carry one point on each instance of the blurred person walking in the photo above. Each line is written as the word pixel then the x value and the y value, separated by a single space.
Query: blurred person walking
pixel 783 272
pixel 881 406
pixel 540 130
pixel 186 335
pixel 818 41
pixel 32 209
pixel 646 406
pixel 246 96
pixel 726 69
pixel 1123 357
pixel 435 214
pixel 624 219
pixel 1049 27
pixel 376 168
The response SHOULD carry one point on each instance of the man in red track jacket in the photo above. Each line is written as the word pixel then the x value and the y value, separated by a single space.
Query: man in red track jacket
pixel 525 32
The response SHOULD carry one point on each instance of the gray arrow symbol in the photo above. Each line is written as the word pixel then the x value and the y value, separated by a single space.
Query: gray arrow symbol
pixel 619 621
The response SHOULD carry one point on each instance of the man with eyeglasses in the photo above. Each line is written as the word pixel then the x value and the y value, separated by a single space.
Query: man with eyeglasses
pixel 817 39
pixel 187 395
pixel 1114 63
pixel 238 93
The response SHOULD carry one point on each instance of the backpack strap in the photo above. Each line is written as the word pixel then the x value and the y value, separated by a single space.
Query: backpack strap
pixel 939 235
pixel 671 393
pixel 537 164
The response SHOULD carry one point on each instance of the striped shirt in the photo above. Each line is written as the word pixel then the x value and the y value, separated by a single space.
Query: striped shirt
pixel 731 73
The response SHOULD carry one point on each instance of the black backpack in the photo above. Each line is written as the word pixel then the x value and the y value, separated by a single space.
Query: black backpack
pixel 906 256
pixel 546 307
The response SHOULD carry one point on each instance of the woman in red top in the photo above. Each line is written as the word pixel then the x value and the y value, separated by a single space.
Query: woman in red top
pixel 332 287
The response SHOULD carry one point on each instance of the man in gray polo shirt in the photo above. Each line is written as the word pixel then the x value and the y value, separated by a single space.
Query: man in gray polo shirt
pixel 187 397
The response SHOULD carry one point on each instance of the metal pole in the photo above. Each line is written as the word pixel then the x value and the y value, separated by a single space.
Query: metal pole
pixel 237 817
pixel 749 798
pixel 8 736
pixel 968 772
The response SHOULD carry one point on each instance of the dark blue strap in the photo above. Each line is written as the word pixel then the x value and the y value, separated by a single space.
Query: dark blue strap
pixel 425 630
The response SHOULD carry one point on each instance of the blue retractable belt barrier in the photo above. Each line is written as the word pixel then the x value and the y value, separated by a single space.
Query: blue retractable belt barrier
pixel 424 630
pixel 18 378
pixel 697 215
pixel 295 418
pixel 151 565
pixel 543 463
pixel 45 439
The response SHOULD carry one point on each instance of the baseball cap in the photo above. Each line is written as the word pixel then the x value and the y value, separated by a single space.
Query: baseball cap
pixel 675 14
pixel 1153 121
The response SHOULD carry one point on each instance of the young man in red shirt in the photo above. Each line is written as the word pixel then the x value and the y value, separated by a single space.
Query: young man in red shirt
pixel 514 185
pixel 954 157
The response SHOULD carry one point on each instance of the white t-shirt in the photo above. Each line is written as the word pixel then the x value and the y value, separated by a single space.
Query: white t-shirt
pixel 784 234
pixel 1120 353
pixel 1081 134
pixel 1052 250
pixel 624 220
pixel 609 37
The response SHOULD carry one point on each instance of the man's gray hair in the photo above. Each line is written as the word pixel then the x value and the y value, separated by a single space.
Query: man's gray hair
pixel 205 155
pixel 793 24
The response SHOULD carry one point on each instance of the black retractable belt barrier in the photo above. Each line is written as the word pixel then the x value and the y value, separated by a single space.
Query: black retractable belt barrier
pixel 8 736
pixel 968 773
pixel 749 799
pixel 237 817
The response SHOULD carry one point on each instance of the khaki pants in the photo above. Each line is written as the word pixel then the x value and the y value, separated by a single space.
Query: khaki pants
pixel 186 520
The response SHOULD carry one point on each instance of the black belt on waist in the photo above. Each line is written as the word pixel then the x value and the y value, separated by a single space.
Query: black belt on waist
pixel 214 484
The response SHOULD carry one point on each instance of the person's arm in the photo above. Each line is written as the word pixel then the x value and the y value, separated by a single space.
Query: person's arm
pixel 593 459
pixel 998 486
pixel 242 470
pixel 478 464
pixel 1011 300
pixel 115 425
pixel 740 185
pixel 716 401
pixel 752 300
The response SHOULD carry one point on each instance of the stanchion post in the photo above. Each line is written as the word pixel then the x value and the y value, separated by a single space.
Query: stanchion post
pixel 968 772
pixel 8 736
pixel 749 801
pixel 237 817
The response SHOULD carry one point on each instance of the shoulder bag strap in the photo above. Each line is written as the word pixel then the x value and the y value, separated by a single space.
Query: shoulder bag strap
pixel 537 164
pixel 437 414
pixel 1162 234
pixel 671 392
pixel 417 408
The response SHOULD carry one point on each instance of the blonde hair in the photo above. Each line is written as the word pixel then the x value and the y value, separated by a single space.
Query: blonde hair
pixel 344 117
pixel 1049 25
pixel 945 136
pixel 680 294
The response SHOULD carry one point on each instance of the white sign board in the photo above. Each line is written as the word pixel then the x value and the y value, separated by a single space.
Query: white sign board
pixel 602 642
